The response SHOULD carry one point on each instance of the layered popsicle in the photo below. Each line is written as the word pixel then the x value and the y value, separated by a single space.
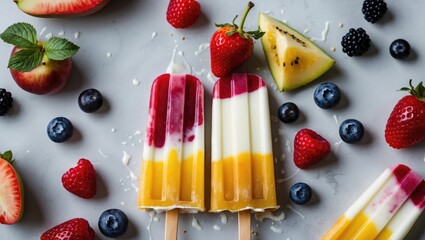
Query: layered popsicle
pixel 242 170
pixel 386 210
pixel 173 155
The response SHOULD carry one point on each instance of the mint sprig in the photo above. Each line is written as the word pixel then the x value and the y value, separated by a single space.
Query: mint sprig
pixel 60 49
pixel 7 156
pixel 30 56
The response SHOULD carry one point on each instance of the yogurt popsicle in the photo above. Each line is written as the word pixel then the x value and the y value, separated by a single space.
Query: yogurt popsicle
pixel 386 210
pixel 242 170
pixel 172 176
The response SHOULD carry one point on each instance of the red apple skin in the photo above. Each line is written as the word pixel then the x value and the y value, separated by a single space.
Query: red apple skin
pixel 49 77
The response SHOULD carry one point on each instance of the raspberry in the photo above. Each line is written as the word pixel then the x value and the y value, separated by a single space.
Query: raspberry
pixel 6 101
pixel 355 42
pixel 374 10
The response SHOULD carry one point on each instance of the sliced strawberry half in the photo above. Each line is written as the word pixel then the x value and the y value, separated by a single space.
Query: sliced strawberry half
pixel 57 8
pixel 11 192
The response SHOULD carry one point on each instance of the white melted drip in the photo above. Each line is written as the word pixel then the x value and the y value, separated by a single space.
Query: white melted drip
pixel 152 215
pixel 174 67
pixel 154 34
pixel 324 33
pixel 202 47
pixel 77 35
pixel 276 230
pixel 223 218
pixel 210 77
pixel 101 153
pixel 195 224
pixel 217 228
pixel 126 161
pixel 295 211
pixel 288 178
pixel 125 158
pixel 269 215
pixel 42 31
pixel 135 82
pixel 61 33
pixel 336 119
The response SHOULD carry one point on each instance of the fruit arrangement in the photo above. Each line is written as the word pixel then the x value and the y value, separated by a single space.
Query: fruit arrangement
pixel 311 87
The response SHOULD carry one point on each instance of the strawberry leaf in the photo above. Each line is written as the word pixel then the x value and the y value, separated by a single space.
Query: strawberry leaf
pixel 7 156
pixel 22 35
pixel 26 60
pixel 60 49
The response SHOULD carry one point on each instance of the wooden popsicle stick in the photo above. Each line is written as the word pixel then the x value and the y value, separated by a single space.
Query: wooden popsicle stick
pixel 244 219
pixel 171 224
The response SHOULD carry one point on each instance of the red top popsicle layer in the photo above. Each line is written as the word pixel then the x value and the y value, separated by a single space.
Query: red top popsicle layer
pixel 236 84
pixel 176 107
pixel 410 185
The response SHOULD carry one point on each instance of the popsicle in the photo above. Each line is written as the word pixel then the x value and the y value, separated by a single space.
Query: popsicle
pixel 386 210
pixel 242 170
pixel 172 177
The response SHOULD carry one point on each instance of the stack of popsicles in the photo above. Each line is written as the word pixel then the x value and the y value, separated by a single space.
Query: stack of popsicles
pixel 386 210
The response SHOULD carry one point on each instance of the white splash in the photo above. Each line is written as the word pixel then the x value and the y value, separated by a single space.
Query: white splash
pixel 137 133
pixel 223 218
pixel 113 130
pixel 174 67
pixel 199 73
pixel 324 33
pixel 101 153
pixel 61 33
pixel 295 211
pixel 135 82
pixel 49 35
pixel 108 55
pixel 77 35
pixel 260 216
pixel 336 147
pixel 42 31
pixel 201 48
pixel 152 215
pixel 217 228
pixel 156 219
pixel 154 34
pixel 288 178
pixel 288 146
pixel 336 119
pixel 126 158
pixel 276 230
pixel 210 77
pixel 195 224
pixel 306 30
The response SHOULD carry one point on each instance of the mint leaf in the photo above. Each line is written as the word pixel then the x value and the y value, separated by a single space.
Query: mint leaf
pixel 60 49
pixel 26 60
pixel 22 35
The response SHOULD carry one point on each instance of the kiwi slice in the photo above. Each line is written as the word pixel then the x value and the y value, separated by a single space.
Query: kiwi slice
pixel 293 59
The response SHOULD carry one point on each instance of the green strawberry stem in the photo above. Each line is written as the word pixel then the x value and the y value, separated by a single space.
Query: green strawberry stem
pixel 247 9
pixel 418 91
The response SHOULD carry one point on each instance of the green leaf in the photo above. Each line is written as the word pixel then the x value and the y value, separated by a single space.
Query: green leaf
pixel 26 60
pixel 60 49
pixel 7 156
pixel 22 35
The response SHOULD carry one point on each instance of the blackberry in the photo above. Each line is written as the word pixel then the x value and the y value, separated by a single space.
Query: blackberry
pixel 374 10
pixel 355 42
pixel 6 101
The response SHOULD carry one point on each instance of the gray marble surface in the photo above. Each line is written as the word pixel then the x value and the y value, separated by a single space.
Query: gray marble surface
pixel 130 39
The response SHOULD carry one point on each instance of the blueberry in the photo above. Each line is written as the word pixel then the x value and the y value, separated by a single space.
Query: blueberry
pixel 300 193
pixel 351 131
pixel 400 49
pixel 288 112
pixel 90 100
pixel 327 95
pixel 60 129
pixel 113 223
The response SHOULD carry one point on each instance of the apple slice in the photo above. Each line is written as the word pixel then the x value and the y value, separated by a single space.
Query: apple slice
pixel 11 191
pixel 60 8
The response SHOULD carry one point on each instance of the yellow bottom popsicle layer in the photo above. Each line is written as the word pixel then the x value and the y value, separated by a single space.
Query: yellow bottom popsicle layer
pixel 346 229
pixel 172 183
pixel 243 182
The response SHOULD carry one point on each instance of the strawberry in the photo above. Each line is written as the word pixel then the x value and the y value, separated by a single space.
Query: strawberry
pixel 81 180
pixel 74 229
pixel 309 148
pixel 11 191
pixel 231 46
pixel 406 124
pixel 183 13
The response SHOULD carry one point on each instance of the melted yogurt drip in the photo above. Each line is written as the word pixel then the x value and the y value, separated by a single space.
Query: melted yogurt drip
pixel 324 33
pixel 288 178
pixel 269 215
pixel 126 161
pixel 276 230
pixel 152 215
pixel 174 67
pixel 195 224
pixel 223 218
pixel 217 228
pixel 295 211
pixel 202 48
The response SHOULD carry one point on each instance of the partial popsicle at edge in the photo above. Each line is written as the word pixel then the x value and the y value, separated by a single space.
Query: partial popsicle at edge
pixel 386 210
